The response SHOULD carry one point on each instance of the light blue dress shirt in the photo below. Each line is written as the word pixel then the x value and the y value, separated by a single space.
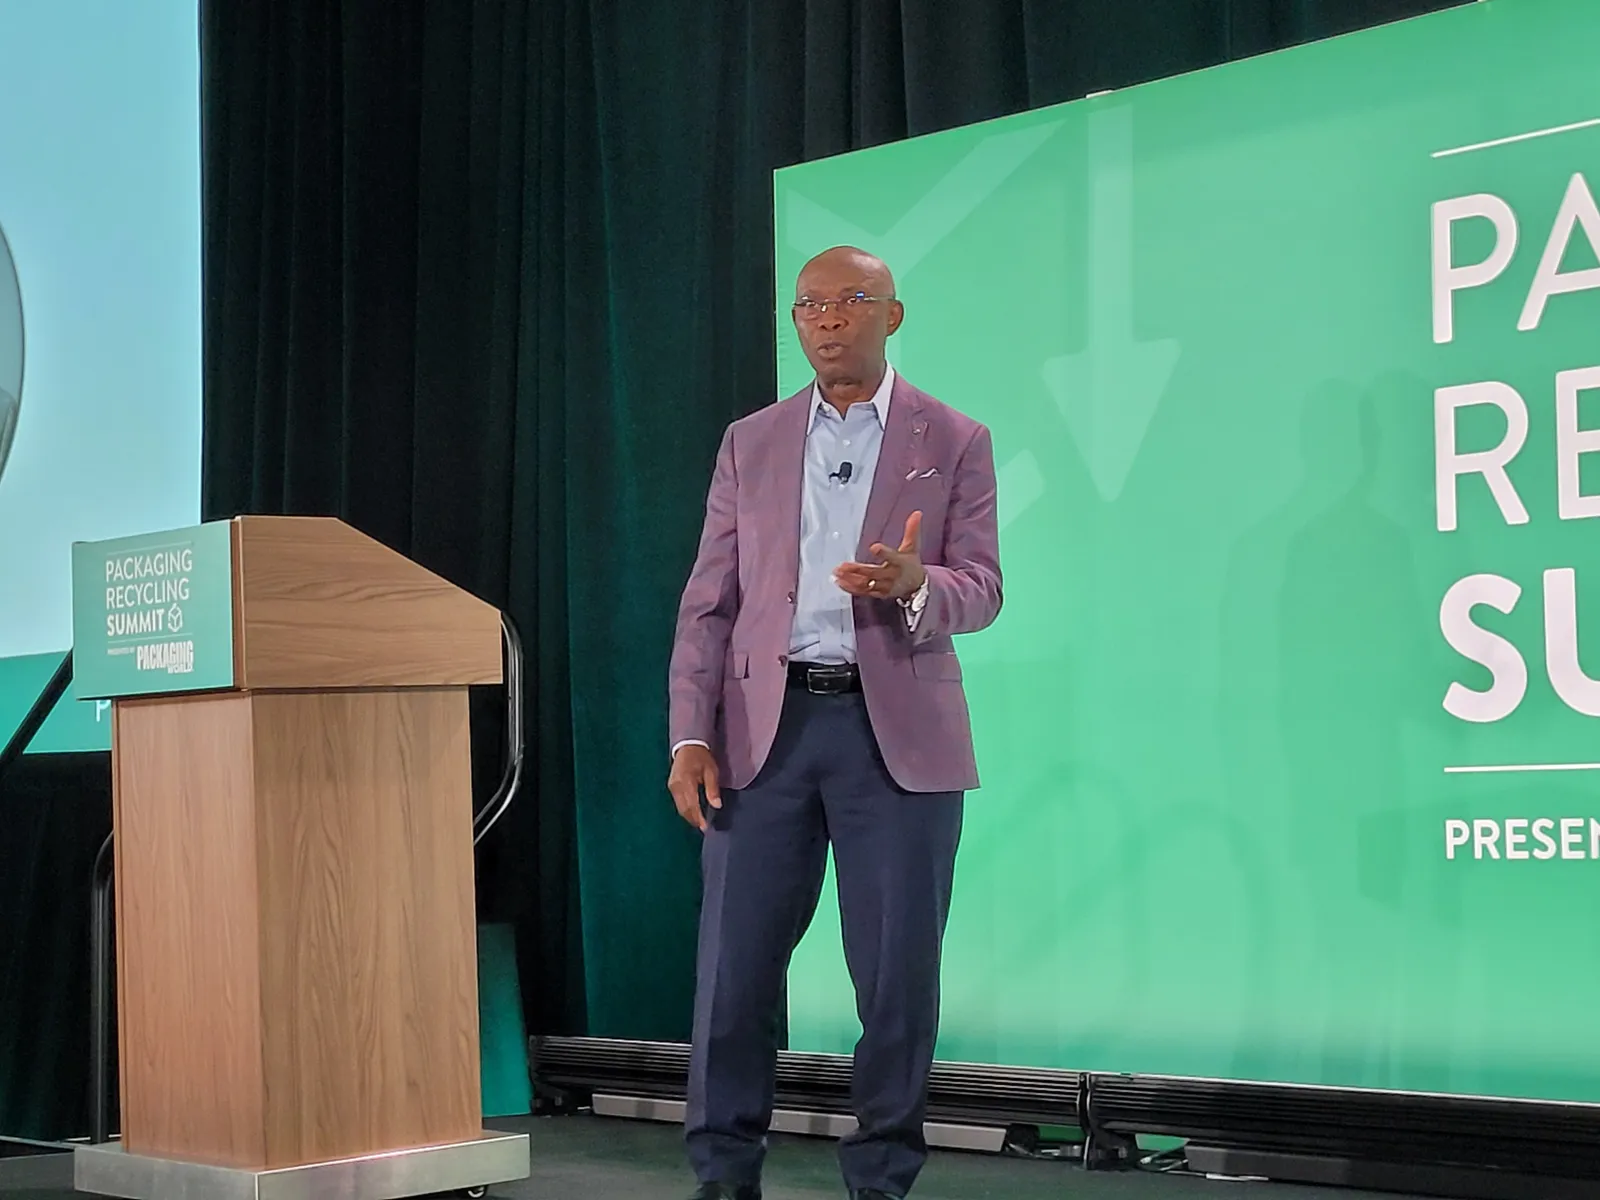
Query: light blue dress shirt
pixel 831 513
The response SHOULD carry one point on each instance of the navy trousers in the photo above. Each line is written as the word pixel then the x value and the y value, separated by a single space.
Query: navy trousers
pixel 763 862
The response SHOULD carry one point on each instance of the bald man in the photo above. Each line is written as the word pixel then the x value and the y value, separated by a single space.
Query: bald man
pixel 816 700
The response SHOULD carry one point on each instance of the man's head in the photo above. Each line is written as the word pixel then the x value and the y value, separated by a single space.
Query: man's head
pixel 844 312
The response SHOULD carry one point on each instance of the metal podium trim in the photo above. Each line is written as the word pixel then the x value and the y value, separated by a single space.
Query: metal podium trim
pixel 393 1175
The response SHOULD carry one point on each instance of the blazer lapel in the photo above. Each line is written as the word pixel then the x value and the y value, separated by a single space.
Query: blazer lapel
pixel 906 428
pixel 784 464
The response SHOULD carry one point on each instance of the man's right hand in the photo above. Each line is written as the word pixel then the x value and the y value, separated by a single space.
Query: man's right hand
pixel 694 768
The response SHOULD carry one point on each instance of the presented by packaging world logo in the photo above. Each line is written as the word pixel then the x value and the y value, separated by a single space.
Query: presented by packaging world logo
pixel 175 658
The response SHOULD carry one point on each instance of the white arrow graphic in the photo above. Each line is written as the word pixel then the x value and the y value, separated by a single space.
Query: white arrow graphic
pixel 1109 391
pixel 809 227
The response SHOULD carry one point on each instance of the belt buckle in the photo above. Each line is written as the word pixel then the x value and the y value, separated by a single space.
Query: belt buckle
pixel 827 681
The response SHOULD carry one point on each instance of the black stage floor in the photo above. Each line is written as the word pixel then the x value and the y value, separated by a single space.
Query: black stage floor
pixel 585 1158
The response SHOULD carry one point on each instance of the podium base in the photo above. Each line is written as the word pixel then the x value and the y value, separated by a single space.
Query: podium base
pixel 429 1170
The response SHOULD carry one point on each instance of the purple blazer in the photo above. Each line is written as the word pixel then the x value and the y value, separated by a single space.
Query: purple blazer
pixel 730 656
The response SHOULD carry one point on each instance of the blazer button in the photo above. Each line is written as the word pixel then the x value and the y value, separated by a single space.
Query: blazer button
pixel 791 597
pixel 783 660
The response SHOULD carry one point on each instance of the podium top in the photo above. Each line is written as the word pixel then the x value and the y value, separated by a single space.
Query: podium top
pixel 280 603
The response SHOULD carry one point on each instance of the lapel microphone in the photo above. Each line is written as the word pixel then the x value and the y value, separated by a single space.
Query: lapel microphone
pixel 843 473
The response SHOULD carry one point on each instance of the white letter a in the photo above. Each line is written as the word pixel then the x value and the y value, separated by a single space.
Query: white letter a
pixel 1577 208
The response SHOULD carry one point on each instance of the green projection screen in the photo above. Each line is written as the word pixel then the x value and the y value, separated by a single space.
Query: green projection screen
pixel 1288 728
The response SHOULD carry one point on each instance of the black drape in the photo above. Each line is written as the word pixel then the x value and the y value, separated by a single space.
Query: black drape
pixel 55 811
pixel 487 279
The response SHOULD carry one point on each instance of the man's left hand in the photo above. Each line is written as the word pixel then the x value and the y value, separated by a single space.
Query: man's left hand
pixel 898 573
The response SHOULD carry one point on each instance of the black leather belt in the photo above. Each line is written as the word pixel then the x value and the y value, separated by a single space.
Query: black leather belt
pixel 825 679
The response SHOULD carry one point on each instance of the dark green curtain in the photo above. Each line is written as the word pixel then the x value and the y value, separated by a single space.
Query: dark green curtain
pixel 487 279
pixel 55 810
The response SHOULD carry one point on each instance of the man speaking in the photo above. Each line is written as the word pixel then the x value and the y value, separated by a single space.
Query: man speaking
pixel 816 699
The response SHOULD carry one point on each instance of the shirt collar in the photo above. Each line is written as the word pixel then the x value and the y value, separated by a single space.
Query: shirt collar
pixel 880 399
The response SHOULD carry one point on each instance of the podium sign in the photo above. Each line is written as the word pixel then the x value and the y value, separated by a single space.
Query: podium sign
pixel 154 614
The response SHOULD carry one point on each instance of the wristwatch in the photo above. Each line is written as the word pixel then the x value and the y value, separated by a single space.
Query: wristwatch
pixel 918 600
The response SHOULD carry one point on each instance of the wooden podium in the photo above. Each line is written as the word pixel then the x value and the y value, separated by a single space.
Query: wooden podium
pixel 296 963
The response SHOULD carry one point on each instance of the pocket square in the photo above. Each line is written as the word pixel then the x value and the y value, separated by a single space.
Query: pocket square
pixel 928 474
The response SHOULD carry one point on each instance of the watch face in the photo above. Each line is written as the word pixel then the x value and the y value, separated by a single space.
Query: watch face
pixel 10 350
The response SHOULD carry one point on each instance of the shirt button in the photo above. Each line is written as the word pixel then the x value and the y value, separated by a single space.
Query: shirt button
pixel 847 441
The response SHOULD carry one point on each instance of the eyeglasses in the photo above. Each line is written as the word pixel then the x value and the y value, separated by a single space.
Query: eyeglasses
pixel 813 310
